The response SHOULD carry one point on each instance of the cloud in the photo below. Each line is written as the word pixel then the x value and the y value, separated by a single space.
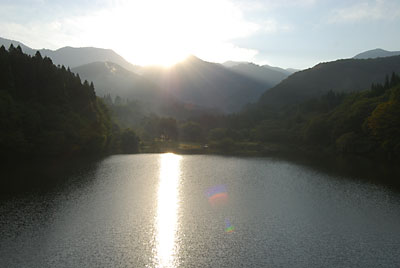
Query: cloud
pixel 224 51
pixel 265 5
pixel 146 31
pixel 270 26
pixel 375 10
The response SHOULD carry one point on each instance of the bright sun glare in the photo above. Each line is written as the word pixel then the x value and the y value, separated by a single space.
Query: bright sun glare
pixel 167 210
pixel 155 32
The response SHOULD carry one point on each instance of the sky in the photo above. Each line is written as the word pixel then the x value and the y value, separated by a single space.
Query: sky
pixel 285 33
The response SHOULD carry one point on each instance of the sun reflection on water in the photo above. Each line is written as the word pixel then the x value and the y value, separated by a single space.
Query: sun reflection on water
pixel 167 210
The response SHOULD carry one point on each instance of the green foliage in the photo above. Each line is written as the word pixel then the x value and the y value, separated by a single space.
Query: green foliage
pixel 345 143
pixel 47 111
pixel 348 75
pixel 384 123
pixel 366 123
pixel 217 134
pixel 159 128
pixel 225 145
pixel 191 131
pixel 317 130
pixel 129 142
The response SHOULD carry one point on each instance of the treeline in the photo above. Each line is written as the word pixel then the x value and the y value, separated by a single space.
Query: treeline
pixel 151 127
pixel 46 110
pixel 365 123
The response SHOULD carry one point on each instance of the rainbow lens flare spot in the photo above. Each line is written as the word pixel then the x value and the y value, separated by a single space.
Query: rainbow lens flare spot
pixel 229 227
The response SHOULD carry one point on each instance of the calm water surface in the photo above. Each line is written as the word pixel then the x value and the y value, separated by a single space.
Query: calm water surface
pixel 153 211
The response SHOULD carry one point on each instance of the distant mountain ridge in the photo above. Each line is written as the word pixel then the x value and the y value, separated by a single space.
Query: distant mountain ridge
pixel 74 57
pixel 194 81
pixel 376 53
pixel 339 76
pixel 206 84
pixel 287 71
pixel 7 42
pixel 111 78
pixel 268 76
pixel 114 80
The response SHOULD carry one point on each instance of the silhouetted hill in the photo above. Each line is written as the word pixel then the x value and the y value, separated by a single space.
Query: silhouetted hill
pixel 206 84
pixel 7 42
pixel 111 79
pixel 268 76
pixel 340 76
pixel 292 70
pixel 287 71
pixel 231 63
pixel 48 111
pixel 73 57
pixel 376 53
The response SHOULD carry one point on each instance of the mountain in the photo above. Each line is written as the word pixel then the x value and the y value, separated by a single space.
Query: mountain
pixel 7 42
pixel 48 111
pixel 340 76
pixel 230 63
pixel 278 69
pixel 376 53
pixel 111 79
pixel 206 84
pixel 288 71
pixel 292 70
pixel 73 57
pixel 268 76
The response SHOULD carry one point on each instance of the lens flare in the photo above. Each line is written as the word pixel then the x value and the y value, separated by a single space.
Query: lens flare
pixel 229 228
pixel 217 195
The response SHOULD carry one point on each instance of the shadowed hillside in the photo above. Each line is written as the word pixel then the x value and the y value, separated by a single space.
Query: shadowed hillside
pixel 206 84
pixel 268 76
pixel 46 111
pixel 73 57
pixel 139 93
pixel 111 78
pixel 339 76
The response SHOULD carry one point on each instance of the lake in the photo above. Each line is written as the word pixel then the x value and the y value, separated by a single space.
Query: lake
pixel 167 210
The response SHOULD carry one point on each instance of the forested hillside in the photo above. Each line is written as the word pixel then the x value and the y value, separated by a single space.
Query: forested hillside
pixel 74 56
pixel 365 123
pixel 349 75
pixel 47 111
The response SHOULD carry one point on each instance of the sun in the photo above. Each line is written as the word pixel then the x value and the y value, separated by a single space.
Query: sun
pixel 159 32
pixel 151 32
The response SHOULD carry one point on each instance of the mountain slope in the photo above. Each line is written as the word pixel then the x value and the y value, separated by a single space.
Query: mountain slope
pixel 376 53
pixel 73 57
pixel 206 84
pixel 269 77
pixel 48 111
pixel 340 76
pixel 111 79
pixel 7 42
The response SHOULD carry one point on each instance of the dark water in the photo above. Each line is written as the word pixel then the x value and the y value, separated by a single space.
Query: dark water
pixel 153 211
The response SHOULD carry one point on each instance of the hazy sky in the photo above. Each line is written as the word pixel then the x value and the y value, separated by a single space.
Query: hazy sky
pixel 285 33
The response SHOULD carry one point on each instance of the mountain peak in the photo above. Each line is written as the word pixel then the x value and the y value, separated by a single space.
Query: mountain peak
pixel 376 53
pixel 192 58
